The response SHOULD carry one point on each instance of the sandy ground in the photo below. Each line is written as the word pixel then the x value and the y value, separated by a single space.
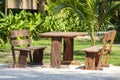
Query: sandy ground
pixel 69 73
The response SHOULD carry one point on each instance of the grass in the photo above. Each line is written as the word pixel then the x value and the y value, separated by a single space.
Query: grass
pixel 5 52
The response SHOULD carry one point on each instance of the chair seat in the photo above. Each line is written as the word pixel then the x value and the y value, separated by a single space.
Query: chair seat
pixel 93 49
pixel 30 48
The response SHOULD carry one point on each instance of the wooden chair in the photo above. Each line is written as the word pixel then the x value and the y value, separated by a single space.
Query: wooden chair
pixel 93 59
pixel 20 41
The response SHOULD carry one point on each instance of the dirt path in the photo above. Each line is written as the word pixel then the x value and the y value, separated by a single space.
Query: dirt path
pixel 70 73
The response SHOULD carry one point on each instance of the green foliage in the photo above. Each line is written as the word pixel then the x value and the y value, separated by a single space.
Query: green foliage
pixel 94 14
pixel 65 20
pixel 21 20
pixel 2 5
pixel 117 27
pixel 90 16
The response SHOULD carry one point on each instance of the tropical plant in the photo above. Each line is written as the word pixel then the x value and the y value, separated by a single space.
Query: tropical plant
pixel 66 20
pixel 95 14
pixel 2 5
pixel 21 20
pixel 116 21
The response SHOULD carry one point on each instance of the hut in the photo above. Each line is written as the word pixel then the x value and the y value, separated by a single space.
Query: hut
pixel 24 4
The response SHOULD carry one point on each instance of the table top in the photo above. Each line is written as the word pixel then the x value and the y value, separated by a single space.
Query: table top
pixel 62 34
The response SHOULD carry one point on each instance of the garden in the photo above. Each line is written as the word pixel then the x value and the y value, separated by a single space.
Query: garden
pixel 63 15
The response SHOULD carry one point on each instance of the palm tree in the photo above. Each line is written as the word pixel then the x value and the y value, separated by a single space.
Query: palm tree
pixel 94 13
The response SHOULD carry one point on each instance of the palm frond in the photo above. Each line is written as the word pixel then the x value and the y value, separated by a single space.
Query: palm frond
pixel 110 11
pixel 64 5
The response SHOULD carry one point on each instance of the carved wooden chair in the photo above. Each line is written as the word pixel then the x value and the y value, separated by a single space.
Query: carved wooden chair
pixel 93 59
pixel 20 41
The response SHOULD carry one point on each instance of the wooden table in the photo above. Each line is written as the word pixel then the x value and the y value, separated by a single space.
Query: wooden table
pixel 56 46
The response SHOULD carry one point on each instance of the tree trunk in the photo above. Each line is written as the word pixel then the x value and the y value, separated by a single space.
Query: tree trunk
pixel 40 6
pixel 92 35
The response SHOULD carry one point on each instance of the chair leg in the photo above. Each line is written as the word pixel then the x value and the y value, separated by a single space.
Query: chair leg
pixel 93 61
pixel 14 59
pixel 90 61
pixel 30 56
pixel 98 66
pixel 22 61
pixel 38 56
pixel 106 60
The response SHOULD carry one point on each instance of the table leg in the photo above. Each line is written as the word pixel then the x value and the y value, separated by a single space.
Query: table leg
pixel 68 49
pixel 56 49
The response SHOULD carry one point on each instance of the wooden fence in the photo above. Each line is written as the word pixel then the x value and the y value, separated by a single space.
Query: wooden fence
pixel 21 4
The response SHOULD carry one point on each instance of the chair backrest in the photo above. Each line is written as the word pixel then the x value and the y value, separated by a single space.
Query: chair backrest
pixel 20 37
pixel 109 38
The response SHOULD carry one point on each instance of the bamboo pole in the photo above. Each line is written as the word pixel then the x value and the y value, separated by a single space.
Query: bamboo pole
pixel 6 7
